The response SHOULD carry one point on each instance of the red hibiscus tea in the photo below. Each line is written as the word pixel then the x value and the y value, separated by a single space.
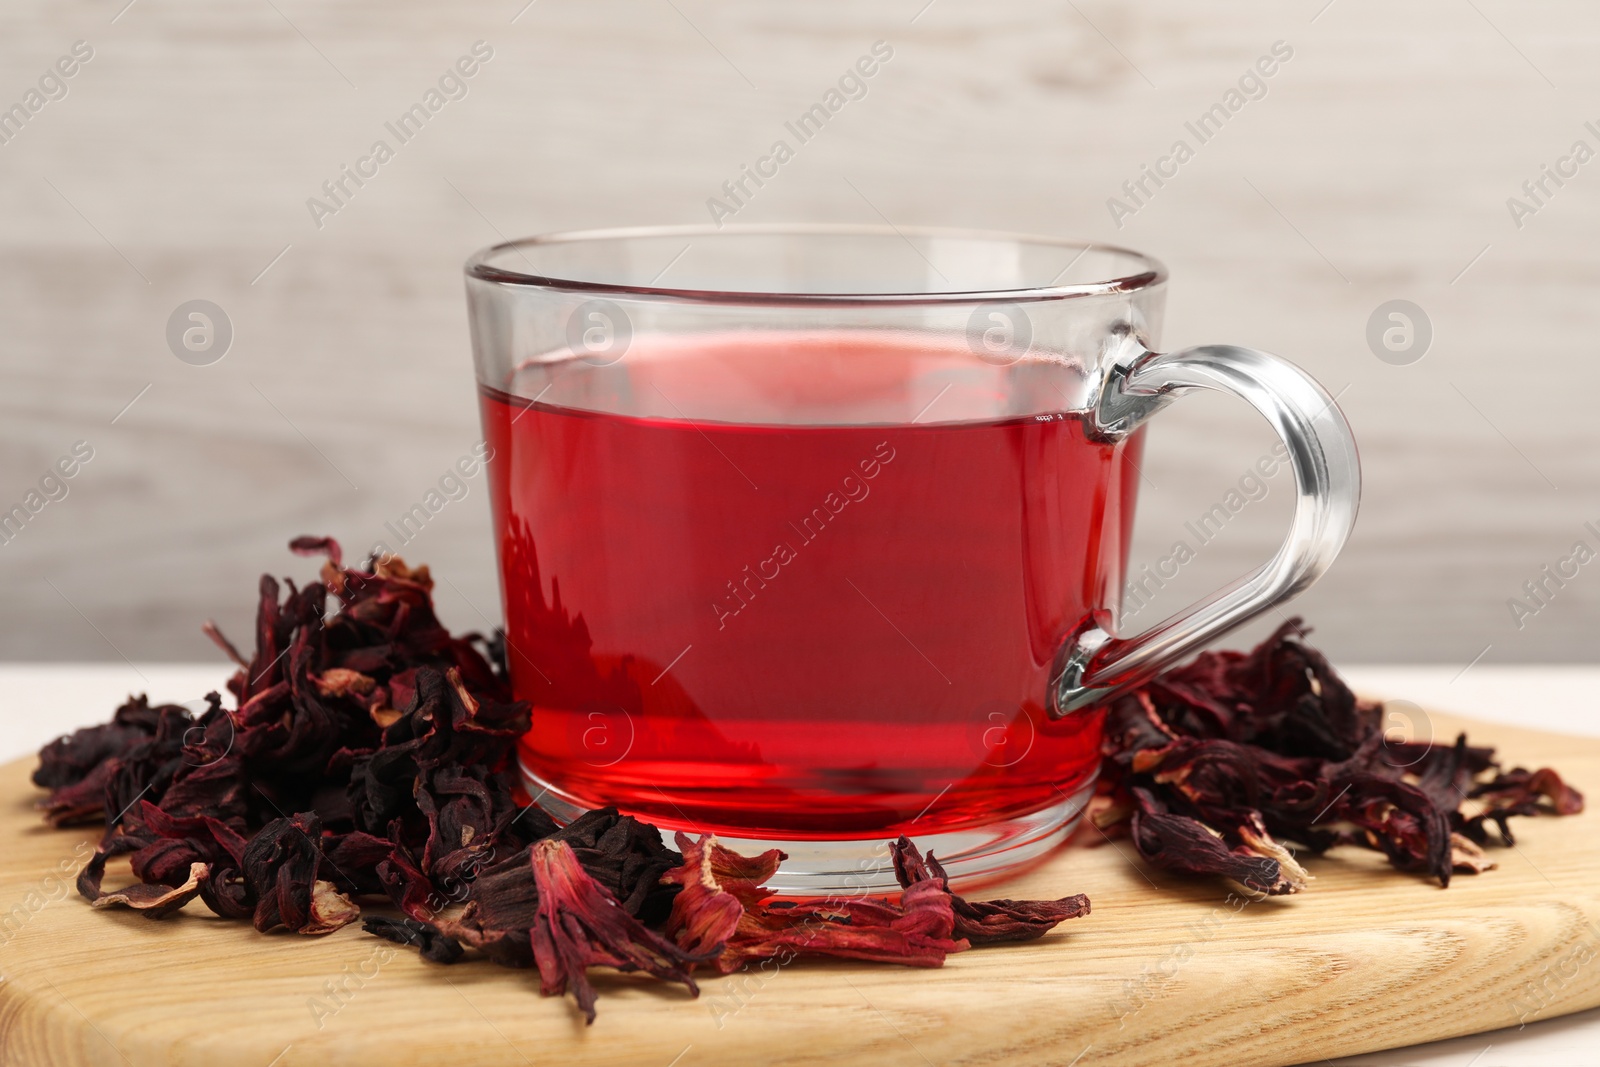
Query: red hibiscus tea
pixel 750 589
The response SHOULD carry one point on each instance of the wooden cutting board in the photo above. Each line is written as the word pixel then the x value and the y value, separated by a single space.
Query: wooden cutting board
pixel 1164 971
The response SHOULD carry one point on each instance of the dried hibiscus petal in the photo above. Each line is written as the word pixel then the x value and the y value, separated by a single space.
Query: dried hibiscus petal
pixel 154 900
pixel 722 901
pixel 915 932
pixel 433 943
pixel 503 909
pixel 986 922
pixel 281 865
pixel 226 893
pixel 1397 819
pixel 626 856
pixel 717 887
pixel 1188 846
pixel 579 925
pixel 410 889
pixel 330 910
pixel 1519 792
pixel 351 861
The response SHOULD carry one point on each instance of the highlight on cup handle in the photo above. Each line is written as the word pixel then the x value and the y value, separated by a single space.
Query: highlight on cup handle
pixel 1094 664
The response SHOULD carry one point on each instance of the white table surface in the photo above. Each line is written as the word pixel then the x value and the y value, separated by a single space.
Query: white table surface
pixel 40 701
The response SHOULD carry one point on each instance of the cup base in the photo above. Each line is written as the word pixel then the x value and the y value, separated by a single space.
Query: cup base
pixel 863 865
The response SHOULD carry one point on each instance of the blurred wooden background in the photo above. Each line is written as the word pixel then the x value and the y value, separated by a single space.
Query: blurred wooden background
pixel 1377 167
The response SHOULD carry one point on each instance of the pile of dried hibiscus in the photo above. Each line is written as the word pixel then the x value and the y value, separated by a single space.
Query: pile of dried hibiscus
pixel 1213 764
pixel 371 754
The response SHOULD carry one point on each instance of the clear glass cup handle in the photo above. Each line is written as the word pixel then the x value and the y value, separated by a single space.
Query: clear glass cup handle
pixel 1094 664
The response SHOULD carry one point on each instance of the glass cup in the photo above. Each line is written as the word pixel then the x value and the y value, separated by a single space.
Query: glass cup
pixel 813 536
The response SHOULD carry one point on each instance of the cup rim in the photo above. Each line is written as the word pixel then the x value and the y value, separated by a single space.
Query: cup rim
pixel 478 266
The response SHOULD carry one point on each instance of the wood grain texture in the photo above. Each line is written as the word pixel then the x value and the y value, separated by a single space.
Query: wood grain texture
pixel 1377 167
pixel 1161 972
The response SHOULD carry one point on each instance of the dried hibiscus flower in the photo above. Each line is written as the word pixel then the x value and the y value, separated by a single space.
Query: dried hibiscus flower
pixel 579 925
pixel 986 922
pixel 624 857
pixel 1213 765
pixel 724 909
